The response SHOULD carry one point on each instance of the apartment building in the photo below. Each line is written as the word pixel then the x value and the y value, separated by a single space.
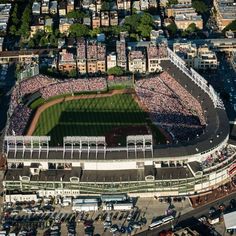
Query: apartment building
pixel 184 15
pixel 37 24
pixel 153 58
pixel 98 5
pixel 201 58
pixel 91 56
pixel 89 4
pixel 36 8
pixel 4 16
pixel 64 25
pixel 114 18
pixel 144 4
pixel 86 3
pixel 183 21
pixel 137 60
pixel 179 9
pixel 96 21
pixel 66 60
pixel 101 57
pixel 186 51
pixel 225 12
pixel 123 5
pixel 45 7
pixel 81 56
pixel 153 3
pixel 206 59
pixel 111 60
pixel 121 54
pixel 70 6
pixel 53 7
pixel 62 8
pixel 105 19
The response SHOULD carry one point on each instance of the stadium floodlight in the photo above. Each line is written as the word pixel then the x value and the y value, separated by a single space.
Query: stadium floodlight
pixel 139 143
pixel 27 143
pixel 84 144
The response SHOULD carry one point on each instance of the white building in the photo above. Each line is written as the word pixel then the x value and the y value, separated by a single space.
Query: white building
pixel 111 60
pixel 20 197
pixel 85 207
pixel 137 61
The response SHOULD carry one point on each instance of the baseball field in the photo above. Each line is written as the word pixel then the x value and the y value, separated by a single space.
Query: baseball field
pixel 114 117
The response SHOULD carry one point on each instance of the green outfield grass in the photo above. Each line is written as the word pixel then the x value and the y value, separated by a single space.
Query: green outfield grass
pixel 92 117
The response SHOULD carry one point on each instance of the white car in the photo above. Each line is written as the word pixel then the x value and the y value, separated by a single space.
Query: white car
pixel 54 227
pixel 107 223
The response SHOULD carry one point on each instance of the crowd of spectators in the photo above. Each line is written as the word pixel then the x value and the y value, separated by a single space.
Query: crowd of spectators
pixel 35 83
pixel 19 120
pixel 186 98
pixel 74 86
pixel 218 157
pixel 28 86
pixel 171 106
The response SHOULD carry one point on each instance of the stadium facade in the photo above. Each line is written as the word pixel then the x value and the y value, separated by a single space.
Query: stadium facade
pixel 85 165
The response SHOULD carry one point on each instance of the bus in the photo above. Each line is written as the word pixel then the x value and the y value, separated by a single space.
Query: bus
pixel 167 219
pixel 155 224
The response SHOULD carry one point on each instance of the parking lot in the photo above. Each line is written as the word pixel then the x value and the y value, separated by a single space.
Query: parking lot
pixel 41 218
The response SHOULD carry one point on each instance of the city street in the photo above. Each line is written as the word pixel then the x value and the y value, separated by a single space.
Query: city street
pixel 190 216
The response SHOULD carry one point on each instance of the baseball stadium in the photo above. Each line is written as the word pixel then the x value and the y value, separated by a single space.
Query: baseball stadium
pixel 162 134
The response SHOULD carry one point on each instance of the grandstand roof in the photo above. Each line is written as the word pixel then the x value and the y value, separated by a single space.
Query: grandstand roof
pixel 173 173
pixel 48 175
pixel 99 175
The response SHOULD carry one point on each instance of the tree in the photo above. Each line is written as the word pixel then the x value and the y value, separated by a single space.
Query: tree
pixel 53 40
pixel 140 24
pixel 132 22
pixel 14 17
pixel 93 33
pixel 25 22
pixel 56 33
pixel 144 30
pixel 172 2
pixel 116 29
pixel 43 42
pixel 192 28
pixel 172 28
pixel 13 30
pixel 79 30
pixel 106 5
pixel 200 7
pixel 118 71
pixel 31 43
pixel 79 15
pixel 73 73
pixel 146 19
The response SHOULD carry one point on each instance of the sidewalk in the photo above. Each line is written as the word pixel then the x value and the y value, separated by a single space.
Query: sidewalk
pixel 215 194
